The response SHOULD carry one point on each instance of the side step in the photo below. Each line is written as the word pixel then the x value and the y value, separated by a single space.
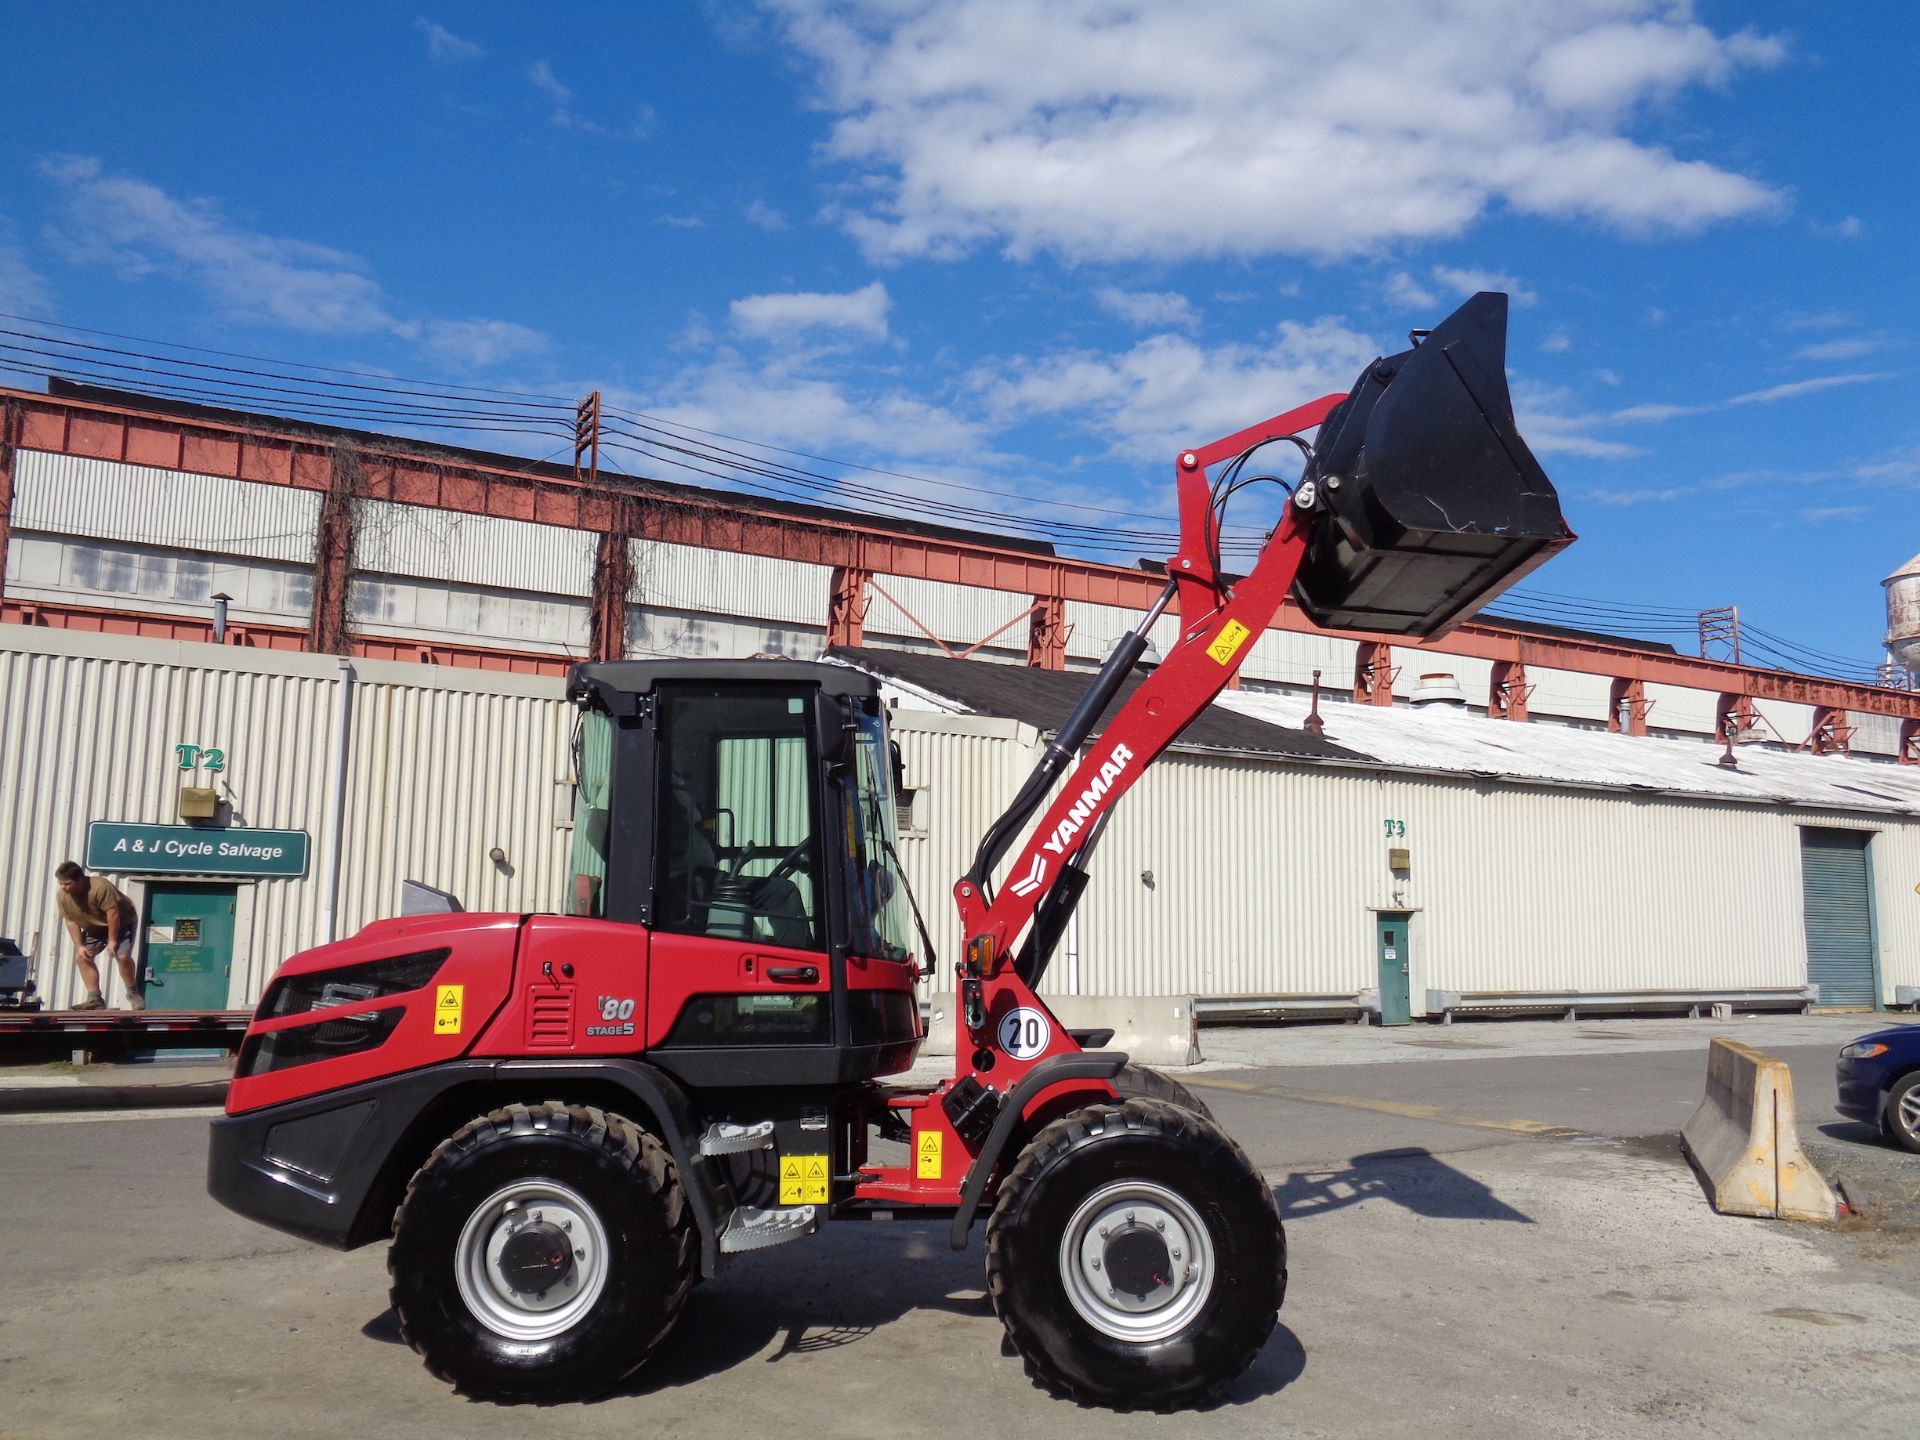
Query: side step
pixel 751 1228
pixel 724 1137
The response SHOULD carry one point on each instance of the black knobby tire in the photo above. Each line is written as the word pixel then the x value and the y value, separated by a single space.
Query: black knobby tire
pixel 1902 1118
pixel 609 1179
pixel 1156 1161
pixel 1138 1082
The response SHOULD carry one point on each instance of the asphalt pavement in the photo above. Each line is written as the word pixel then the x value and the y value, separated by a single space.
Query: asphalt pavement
pixel 1496 1235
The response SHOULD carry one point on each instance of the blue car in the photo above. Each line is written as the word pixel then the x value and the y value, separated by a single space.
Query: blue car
pixel 1879 1079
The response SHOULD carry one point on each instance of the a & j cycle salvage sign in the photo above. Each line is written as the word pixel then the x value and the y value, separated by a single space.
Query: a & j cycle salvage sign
pixel 188 850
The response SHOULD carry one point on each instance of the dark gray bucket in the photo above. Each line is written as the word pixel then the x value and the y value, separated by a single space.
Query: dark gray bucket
pixel 1429 502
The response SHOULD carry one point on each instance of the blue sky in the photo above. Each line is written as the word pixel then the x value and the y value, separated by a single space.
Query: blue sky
pixel 1035 248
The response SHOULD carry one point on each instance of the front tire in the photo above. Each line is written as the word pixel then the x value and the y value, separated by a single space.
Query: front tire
pixel 1136 1257
pixel 1138 1082
pixel 542 1252
pixel 1902 1115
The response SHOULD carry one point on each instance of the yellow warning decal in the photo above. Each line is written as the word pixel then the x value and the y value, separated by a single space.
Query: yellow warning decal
pixel 446 1009
pixel 927 1157
pixel 1227 643
pixel 803 1180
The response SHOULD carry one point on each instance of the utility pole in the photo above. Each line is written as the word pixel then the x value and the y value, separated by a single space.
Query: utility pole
pixel 1720 633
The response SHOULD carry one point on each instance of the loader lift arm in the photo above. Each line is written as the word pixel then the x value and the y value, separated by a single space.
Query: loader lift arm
pixel 1418 503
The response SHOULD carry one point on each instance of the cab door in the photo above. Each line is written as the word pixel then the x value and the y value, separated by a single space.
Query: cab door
pixel 740 956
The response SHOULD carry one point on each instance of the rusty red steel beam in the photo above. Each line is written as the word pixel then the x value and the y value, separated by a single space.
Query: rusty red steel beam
pixel 73 426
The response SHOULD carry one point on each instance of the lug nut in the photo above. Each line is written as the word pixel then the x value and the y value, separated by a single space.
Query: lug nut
pixel 1176 1254
pixel 1159 1224
pixel 1096 1264
pixel 580 1254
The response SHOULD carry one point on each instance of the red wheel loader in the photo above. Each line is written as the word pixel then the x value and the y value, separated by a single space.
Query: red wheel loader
pixel 560 1121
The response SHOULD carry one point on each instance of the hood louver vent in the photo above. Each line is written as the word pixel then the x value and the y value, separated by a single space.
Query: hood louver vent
pixel 550 1019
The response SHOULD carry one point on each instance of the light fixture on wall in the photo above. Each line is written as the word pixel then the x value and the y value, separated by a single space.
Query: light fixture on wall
pixel 220 602
pixel 497 855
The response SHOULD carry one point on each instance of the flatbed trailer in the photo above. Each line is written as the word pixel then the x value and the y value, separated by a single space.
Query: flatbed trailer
pixel 31 1036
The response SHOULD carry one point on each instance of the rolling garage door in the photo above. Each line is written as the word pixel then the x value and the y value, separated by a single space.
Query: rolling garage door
pixel 1835 877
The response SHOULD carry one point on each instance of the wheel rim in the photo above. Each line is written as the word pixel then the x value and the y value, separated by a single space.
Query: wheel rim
pixel 505 1260
pixel 1137 1261
pixel 1908 1114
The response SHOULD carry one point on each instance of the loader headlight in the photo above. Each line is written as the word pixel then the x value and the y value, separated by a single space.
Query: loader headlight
pixel 327 1040
pixel 348 984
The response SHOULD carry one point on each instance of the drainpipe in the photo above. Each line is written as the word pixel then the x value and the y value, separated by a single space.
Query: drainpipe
pixel 336 802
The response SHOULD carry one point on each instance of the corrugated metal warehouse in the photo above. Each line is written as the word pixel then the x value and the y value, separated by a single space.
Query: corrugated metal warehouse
pixel 1567 832
pixel 1257 866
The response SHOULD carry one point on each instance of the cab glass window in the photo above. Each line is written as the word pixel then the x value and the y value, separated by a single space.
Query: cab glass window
pixel 592 808
pixel 737 853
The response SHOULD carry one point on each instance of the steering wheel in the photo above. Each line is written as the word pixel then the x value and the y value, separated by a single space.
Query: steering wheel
pixel 791 861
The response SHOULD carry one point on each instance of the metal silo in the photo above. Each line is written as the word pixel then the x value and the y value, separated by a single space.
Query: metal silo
pixel 1903 615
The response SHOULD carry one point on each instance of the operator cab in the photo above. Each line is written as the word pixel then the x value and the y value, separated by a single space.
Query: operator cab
pixel 744 812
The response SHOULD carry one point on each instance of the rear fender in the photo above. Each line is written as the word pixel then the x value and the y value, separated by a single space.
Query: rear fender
pixel 435 1024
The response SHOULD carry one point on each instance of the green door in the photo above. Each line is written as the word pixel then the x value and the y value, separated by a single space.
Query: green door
pixel 1396 1007
pixel 188 962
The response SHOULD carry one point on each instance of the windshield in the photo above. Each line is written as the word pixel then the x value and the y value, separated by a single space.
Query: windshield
pixel 593 785
pixel 876 889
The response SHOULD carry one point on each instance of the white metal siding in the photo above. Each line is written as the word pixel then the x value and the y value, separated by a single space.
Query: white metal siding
pixel 433 544
pixel 1265 875
pixel 108 500
pixel 722 584
pixel 90 572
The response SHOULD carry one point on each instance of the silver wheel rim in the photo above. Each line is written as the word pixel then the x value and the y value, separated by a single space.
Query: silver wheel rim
pixel 487 1289
pixel 1124 1212
pixel 1908 1116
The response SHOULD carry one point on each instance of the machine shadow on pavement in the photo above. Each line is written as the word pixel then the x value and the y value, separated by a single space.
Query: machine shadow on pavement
pixel 810 1299
pixel 1412 1177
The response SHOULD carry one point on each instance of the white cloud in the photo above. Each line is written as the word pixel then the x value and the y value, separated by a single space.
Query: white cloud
pixel 1218 128
pixel 1842 349
pixel 140 232
pixel 475 344
pixel 1620 499
pixel 1815 515
pixel 1407 293
pixel 863 311
pixel 1472 282
pixel 1557 343
pixel 766 217
pixel 1797 388
pixel 1168 391
pixel 23 291
pixel 563 116
pixel 1148 310
pixel 1815 320
pixel 443 46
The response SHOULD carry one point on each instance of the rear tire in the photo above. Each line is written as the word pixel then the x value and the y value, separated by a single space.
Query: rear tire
pixel 542 1252
pixel 1137 1082
pixel 1902 1116
pixel 1136 1257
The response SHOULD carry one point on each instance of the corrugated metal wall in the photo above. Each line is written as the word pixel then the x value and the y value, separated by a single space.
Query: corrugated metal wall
pixel 1512 888
pixel 77 495
pixel 90 726
pixel 445 766
pixel 432 544
pixel 1221 876
pixel 685 577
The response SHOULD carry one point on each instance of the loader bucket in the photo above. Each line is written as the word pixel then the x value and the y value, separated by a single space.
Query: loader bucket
pixel 1430 503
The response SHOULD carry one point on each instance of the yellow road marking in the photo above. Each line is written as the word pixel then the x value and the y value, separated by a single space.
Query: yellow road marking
pixel 1539 1128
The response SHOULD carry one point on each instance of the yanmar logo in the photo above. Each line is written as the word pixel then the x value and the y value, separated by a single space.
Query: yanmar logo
pixel 1084 810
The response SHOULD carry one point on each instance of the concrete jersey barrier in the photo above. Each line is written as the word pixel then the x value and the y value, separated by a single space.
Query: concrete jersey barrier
pixel 1743 1140
pixel 1158 1030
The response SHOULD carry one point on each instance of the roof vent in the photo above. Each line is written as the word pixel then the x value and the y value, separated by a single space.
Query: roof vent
pixel 1439 691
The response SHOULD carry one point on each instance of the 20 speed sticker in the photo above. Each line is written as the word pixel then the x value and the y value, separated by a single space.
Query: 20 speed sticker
pixel 1024 1033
